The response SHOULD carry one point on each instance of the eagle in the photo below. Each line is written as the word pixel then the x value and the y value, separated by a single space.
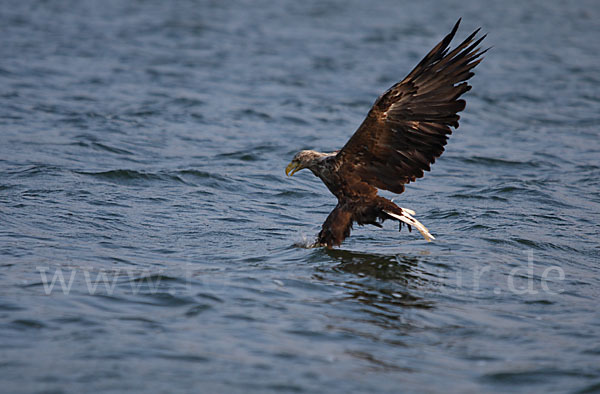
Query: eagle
pixel 404 132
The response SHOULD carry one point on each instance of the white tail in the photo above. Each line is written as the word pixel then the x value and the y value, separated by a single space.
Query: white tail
pixel 408 219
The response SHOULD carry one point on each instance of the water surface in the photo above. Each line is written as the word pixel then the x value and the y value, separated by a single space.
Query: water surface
pixel 142 155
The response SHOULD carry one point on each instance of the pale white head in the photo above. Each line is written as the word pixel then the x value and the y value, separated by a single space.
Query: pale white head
pixel 305 159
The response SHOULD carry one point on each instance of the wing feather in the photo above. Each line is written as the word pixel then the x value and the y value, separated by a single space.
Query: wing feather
pixel 408 126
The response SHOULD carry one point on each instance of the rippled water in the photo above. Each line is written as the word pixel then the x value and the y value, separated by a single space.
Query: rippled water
pixel 142 152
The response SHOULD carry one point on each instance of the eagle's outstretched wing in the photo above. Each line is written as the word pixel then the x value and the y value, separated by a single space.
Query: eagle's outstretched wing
pixel 408 126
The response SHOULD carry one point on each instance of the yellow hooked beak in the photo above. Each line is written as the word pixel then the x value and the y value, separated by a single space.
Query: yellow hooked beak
pixel 294 167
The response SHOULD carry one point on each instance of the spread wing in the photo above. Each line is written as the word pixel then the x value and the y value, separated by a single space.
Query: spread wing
pixel 408 126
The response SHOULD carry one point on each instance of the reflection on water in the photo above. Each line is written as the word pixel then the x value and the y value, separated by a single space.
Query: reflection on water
pixel 379 266
pixel 386 284
pixel 379 291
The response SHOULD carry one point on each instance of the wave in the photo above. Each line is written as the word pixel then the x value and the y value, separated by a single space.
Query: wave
pixel 123 176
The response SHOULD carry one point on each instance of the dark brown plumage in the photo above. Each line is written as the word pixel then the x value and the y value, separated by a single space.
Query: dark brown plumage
pixel 404 132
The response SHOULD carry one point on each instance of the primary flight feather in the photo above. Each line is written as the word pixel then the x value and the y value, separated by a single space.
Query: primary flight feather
pixel 404 132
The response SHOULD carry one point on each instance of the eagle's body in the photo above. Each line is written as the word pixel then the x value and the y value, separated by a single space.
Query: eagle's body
pixel 403 134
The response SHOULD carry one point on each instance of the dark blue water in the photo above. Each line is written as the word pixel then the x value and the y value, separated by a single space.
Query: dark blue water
pixel 142 155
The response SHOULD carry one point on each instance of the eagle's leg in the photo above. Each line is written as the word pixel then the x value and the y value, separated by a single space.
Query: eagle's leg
pixel 336 228
pixel 407 225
